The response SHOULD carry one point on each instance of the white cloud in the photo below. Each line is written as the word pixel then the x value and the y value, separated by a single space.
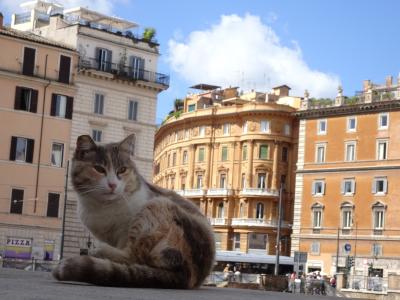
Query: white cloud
pixel 104 6
pixel 242 51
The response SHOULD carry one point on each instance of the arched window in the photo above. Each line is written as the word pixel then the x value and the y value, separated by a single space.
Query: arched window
pixel 220 210
pixel 260 210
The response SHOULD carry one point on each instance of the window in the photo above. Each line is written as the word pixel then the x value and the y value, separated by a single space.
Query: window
pixel 318 188
pixel 183 183
pixel 244 153
pixel 17 201
pixel 315 248
pixel 191 107
pixel 265 126
pixel 241 210
pixel 245 127
pixel 261 180
pixel 169 160
pixel 172 183
pixel 260 210
pixel 351 124
pixel 258 241
pixel 132 110
pixel 104 59
pixel 201 154
pixel 224 153
pixel 376 249
pixel 347 219
pixel 378 213
pixel 317 218
pixel 320 153
pixel 220 210
pixel 243 181
pixel 97 135
pixel 137 67
pixel 52 205
pixel 382 149
pixel 22 149
pixel 348 186
pixel 236 241
pixel 98 104
pixel 286 129
pixel 184 157
pixel 263 152
pixel 322 127
pixel 28 67
pixel 218 240
pixel 26 99
pixel 350 151
pixel 61 106
pixel 383 121
pixel 57 153
pixel 222 181
pixel 199 182
pixel 379 185
pixel 186 134
pixel 202 130
pixel 226 129
pixel 65 69
pixel 285 154
pixel 174 159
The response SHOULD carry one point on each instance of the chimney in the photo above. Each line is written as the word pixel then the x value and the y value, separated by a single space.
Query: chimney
pixel 1 20
pixel 389 81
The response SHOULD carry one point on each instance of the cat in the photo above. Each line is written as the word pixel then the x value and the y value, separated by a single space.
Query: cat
pixel 151 237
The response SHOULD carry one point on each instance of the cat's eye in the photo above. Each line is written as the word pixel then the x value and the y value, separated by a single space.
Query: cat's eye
pixel 122 170
pixel 100 169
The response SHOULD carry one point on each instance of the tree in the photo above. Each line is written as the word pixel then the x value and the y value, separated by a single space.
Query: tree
pixel 178 104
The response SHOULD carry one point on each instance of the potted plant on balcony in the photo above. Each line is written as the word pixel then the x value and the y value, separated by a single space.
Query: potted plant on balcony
pixel 149 34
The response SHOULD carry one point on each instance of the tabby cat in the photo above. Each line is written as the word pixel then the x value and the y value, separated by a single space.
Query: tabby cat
pixel 151 237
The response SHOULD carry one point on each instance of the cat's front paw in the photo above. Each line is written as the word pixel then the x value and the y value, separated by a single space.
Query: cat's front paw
pixel 67 269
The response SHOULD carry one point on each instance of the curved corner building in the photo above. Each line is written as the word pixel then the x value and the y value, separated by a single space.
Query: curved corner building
pixel 229 152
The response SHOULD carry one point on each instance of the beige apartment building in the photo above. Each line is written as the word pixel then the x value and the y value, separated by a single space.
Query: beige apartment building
pixel 117 86
pixel 37 96
pixel 346 202
pixel 229 152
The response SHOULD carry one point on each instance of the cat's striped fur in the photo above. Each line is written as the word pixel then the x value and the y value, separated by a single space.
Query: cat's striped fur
pixel 151 237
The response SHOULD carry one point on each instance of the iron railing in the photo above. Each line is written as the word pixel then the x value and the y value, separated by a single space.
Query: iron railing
pixel 123 71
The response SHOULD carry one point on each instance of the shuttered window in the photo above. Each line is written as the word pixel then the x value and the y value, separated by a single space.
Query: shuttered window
pixel 21 149
pixel 65 69
pixel 53 204
pixel 61 106
pixel 26 99
pixel 17 198
pixel 132 110
pixel 28 66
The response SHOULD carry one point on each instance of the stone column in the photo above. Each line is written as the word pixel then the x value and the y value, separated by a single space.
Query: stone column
pixel 274 183
pixel 192 158
pixel 208 175
pixel 250 164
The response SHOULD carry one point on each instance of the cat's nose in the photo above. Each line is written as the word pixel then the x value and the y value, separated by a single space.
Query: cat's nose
pixel 112 186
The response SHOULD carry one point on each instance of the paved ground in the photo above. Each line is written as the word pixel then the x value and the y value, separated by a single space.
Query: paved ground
pixel 18 284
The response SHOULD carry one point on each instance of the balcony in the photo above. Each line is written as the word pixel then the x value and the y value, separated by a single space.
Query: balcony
pixel 124 72
pixel 191 193
pixel 219 192
pixel 259 192
pixel 219 221
pixel 259 222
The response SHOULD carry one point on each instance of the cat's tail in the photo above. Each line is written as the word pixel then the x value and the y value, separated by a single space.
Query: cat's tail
pixel 107 273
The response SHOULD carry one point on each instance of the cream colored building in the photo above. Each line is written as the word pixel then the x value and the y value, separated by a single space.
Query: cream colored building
pixel 117 85
pixel 37 96
pixel 229 152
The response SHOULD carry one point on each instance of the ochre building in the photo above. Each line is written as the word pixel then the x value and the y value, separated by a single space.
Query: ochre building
pixel 229 153
pixel 346 202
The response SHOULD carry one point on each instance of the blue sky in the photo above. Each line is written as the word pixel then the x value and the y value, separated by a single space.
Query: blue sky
pixel 312 45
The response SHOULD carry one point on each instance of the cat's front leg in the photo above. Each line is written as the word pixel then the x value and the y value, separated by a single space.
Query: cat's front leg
pixel 114 254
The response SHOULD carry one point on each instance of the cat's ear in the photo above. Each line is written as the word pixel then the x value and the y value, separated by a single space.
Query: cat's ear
pixel 128 144
pixel 85 143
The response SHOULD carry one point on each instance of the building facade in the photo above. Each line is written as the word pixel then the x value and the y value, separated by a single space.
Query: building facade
pixel 37 90
pixel 117 87
pixel 229 153
pixel 346 184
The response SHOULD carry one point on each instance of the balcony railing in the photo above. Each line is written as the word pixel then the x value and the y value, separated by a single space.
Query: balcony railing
pixel 219 192
pixel 123 71
pixel 259 192
pixel 219 221
pixel 258 222
pixel 191 192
